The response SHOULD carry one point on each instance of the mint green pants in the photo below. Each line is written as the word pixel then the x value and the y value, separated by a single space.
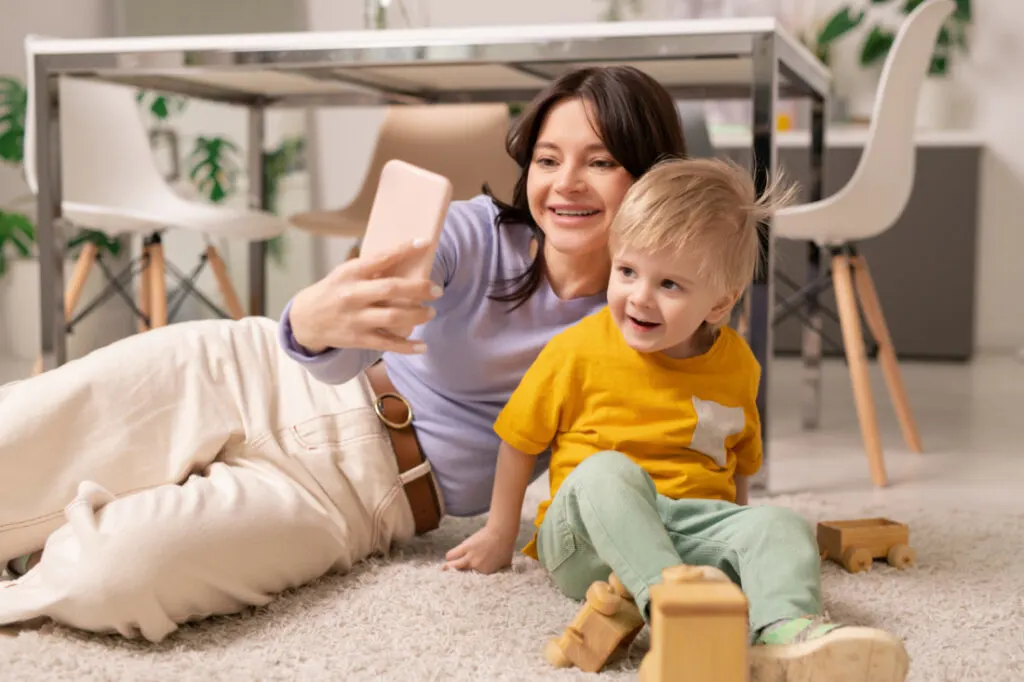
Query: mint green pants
pixel 607 517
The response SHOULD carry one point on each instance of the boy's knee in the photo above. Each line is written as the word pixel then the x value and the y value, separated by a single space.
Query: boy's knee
pixel 782 524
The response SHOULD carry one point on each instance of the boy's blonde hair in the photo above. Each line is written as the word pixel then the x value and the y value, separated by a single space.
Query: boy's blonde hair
pixel 704 206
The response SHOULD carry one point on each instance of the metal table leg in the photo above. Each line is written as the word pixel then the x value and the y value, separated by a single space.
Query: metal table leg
pixel 810 348
pixel 762 293
pixel 257 199
pixel 46 94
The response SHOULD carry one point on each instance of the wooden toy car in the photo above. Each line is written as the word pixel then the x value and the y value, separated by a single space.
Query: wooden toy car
pixel 605 625
pixel 856 543
pixel 699 629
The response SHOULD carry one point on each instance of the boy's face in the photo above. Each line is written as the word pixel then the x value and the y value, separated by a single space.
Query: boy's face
pixel 659 301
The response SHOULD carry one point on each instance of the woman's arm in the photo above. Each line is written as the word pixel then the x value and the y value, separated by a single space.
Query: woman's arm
pixel 343 323
pixel 491 547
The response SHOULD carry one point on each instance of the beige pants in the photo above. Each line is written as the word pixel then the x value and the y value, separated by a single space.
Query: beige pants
pixel 189 471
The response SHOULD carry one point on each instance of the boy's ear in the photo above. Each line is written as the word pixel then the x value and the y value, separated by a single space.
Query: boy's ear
pixel 723 307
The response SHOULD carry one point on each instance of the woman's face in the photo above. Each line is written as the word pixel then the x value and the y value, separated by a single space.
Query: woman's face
pixel 574 186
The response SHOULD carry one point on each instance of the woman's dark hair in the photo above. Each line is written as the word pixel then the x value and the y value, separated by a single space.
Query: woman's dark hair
pixel 635 118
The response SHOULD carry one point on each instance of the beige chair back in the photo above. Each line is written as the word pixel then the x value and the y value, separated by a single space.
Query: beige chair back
pixel 463 142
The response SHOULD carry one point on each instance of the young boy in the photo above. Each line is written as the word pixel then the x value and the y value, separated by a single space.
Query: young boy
pixel 649 409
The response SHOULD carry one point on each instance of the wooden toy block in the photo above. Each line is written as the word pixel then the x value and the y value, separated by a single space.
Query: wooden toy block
pixel 699 630
pixel 856 543
pixel 605 625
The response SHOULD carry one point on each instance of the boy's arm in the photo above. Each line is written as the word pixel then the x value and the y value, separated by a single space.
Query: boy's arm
pixel 749 448
pixel 491 548
pixel 742 490
pixel 527 425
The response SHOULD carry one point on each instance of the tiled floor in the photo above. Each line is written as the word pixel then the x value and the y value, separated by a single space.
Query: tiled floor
pixel 971 420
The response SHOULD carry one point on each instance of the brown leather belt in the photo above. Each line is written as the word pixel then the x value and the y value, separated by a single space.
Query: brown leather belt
pixel 396 414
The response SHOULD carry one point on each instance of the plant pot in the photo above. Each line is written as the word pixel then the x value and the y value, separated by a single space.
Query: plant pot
pixel 935 107
pixel 19 311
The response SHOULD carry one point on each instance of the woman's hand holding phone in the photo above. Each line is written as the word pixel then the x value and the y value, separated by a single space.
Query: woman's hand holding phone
pixel 361 304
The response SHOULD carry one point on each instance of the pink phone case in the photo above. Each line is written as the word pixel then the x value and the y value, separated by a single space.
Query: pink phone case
pixel 411 203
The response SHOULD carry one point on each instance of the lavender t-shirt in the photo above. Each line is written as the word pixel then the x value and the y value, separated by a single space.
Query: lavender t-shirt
pixel 477 351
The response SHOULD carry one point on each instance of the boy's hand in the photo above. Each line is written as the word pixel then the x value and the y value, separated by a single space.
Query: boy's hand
pixel 487 550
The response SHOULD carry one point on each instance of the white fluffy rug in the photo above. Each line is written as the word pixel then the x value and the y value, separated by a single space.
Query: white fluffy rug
pixel 961 613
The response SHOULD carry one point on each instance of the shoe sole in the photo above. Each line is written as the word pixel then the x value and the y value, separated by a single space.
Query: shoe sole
pixel 848 654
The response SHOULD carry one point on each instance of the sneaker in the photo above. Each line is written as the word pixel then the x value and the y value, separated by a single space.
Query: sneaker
pixel 799 649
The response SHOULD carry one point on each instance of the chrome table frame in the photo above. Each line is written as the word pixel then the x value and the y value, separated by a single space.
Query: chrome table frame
pixel 774 65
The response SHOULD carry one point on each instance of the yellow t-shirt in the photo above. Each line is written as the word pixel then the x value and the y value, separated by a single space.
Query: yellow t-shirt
pixel 691 423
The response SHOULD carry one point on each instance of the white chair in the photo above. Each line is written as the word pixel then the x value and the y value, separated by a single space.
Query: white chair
pixel 868 205
pixel 463 142
pixel 111 184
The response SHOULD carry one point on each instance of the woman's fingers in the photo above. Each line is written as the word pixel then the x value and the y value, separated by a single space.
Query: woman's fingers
pixel 389 343
pixel 388 291
pixel 399 321
pixel 381 264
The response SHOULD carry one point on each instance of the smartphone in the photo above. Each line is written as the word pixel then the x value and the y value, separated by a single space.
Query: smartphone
pixel 411 203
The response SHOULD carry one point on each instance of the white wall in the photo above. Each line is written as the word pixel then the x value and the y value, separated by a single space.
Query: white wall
pixel 993 76
pixel 19 291
pixel 79 19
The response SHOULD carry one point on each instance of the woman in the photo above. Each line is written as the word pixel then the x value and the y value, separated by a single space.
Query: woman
pixel 196 469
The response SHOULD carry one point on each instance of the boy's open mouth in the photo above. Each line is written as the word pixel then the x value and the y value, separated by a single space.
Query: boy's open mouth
pixel 643 324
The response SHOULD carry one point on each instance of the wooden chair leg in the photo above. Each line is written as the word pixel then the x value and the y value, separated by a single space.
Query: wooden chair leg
pixel 73 293
pixel 144 288
pixel 227 289
pixel 856 357
pixel 872 308
pixel 157 287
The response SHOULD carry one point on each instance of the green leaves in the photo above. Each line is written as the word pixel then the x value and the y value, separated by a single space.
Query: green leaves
pixel 616 11
pixel 214 167
pixel 161 106
pixel 876 45
pixel 838 25
pixel 841 23
pixel 289 156
pixel 880 39
pixel 17 232
pixel 961 13
pixel 13 103
pixel 104 243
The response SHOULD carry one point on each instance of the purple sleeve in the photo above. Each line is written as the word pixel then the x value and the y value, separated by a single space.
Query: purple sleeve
pixel 339 365
pixel 334 365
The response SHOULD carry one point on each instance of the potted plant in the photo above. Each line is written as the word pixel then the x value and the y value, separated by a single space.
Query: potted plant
pixel 214 167
pixel 878 36
pixel 617 10
pixel 19 270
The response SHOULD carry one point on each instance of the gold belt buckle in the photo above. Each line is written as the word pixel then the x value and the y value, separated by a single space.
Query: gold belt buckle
pixel 378 407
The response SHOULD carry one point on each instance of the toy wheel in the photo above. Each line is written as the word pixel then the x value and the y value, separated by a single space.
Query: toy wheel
pixel 901 556
pixel 554 654
pixel 618 587
pixel 857 559
pixel 603 598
